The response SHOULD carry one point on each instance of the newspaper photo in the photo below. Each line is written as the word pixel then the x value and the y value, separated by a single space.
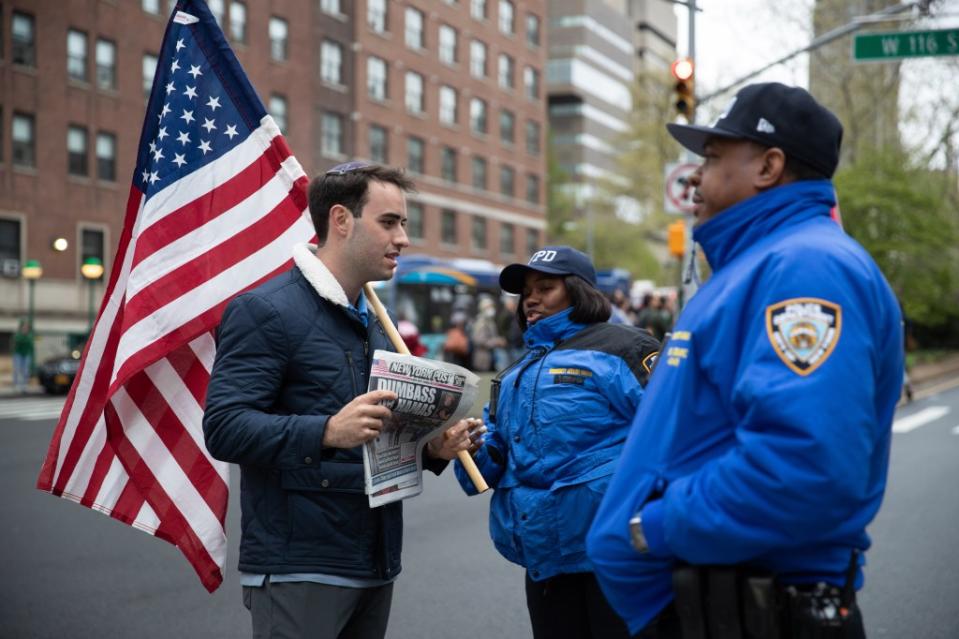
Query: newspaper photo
pixel 432 396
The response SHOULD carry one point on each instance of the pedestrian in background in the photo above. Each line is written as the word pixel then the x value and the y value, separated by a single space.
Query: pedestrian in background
pixel 23 352
pixel 287 401
pixel 557 420
pixel 484 336
pixel 760 453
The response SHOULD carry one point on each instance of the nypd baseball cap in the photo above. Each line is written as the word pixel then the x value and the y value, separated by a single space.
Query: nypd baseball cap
pixel 555 260
pixel 774 115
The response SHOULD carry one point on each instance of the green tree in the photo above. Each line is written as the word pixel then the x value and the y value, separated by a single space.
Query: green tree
pixel 906 217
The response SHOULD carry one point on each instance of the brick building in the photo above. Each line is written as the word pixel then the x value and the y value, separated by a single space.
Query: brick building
pixel 451 90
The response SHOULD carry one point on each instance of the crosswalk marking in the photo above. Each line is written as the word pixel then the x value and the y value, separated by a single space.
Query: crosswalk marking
pixel 921 418
pixel 32 408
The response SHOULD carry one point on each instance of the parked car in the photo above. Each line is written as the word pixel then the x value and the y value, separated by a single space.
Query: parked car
pixel 57 373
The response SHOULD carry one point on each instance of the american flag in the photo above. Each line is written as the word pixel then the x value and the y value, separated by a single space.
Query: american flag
pixel 217 203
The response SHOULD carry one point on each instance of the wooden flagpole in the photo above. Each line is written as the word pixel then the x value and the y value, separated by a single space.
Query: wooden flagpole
pixel 464 457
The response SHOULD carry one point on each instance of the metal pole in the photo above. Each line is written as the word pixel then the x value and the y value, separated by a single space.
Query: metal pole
pixel 687 289
pixel 30 286
pixel 90 306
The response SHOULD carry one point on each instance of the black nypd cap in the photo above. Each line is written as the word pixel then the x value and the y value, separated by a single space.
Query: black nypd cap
pixel 555 260
pixel 774 115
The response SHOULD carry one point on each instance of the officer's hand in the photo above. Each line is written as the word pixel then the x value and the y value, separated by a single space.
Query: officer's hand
pixel 359 421
pixel 466 434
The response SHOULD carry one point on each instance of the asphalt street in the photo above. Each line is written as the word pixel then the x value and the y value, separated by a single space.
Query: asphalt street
pixel 73 573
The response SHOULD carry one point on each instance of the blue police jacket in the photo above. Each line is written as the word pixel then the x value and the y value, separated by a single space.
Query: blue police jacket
pixel 561 417
pixel 764 435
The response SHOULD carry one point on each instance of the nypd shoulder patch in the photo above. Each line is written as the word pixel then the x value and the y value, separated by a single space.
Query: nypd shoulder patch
pixel 803 331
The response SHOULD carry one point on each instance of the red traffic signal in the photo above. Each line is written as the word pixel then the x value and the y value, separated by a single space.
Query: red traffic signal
pixel 684 71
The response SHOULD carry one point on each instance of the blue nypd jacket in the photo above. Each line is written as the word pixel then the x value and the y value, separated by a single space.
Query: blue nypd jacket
pixel 561 418
pixel 764 435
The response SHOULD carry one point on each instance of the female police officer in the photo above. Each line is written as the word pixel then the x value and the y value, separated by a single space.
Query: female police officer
pixel 557 421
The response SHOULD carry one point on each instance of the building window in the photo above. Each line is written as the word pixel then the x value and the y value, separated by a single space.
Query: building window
pixel 23 40
pixel 376 15
pixel 278 110
pixel 532 241
pixel 506 17
pixel 149 69
pixel 447 44
pixel 448 168
pixel 376 78
pixel 532 137
pixel 77 55
pixel 216 8
pixel 507 181
pixel 532 188
pixel 531 80
pixel 414 92
pixel 279 36
pixel 414 28
pixel 478 116
pixel 331 62
pixel 106 156
pixel 507 239
pixel 106 64
pixel 477 59
pixel 479 172
pixel 532 30
pixel 378 144
pixel 332 143
pixel 415 154
pixel 448 226
pixel 10 257
pixel 24 140
pixel 91 246
pixel 77 150
pixel 479 233
pixel 505 71
pixel 478 9
pixel 507 126
pixel 447 105
pixel 238 21
pixel 414 220
pixel 330 6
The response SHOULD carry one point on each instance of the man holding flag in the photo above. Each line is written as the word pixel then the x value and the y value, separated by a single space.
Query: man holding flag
pixel 286 401
pixel 216 206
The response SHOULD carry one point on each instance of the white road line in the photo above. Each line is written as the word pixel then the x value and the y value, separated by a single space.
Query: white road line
pixel 917 420
pixel 955 430
pixel 31 409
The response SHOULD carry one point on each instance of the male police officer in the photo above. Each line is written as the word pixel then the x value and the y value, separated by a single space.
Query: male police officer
pixel 760 452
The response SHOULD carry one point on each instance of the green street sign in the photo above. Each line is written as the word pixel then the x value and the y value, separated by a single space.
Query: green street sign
pixel 896 45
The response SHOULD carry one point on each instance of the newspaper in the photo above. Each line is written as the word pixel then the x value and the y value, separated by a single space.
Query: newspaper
pixel 432 396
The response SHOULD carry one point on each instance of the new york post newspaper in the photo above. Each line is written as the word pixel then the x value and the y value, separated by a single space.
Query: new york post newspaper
pixel 432 396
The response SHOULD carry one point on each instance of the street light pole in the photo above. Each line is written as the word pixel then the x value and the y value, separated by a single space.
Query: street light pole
pixel 32 271
pixel 92 270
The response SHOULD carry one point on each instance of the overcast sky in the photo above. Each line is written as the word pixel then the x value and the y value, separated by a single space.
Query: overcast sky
pixel 735 37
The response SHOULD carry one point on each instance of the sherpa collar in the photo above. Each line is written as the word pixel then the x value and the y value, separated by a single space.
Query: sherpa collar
pixel 316 273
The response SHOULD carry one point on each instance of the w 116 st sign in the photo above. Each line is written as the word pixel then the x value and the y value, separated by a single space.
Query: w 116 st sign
pixel 896 45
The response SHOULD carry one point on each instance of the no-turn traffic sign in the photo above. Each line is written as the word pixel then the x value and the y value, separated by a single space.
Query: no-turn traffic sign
pixel 678 194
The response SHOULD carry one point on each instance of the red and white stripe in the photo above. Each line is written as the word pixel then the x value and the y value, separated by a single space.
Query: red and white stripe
pixel 129 442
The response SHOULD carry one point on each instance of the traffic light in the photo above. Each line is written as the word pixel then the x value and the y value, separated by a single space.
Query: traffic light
pixel 676 238
pixel 684 71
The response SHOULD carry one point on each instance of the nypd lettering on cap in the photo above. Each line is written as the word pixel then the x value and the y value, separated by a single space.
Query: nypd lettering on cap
pixel 542 256
pixel 804 331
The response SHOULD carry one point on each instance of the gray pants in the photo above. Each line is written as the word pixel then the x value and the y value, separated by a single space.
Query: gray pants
pixel 302 609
